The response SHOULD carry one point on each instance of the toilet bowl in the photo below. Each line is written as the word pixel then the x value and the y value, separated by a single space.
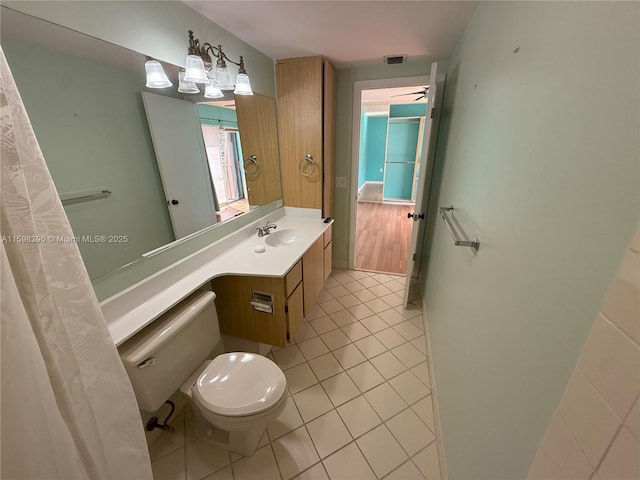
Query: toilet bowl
pixel 235 397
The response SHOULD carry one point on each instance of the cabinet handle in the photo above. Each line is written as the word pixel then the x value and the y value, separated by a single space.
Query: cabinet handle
pixel 251 167
pixel 307 166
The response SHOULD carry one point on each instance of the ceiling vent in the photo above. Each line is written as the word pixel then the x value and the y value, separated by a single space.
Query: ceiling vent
pixel 394 59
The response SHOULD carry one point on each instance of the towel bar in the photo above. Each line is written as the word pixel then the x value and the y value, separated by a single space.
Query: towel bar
pixel 457 241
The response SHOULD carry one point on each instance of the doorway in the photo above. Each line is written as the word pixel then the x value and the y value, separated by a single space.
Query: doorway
pixel 390 131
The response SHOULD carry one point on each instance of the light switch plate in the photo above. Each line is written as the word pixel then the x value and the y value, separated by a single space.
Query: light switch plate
pixel 341 182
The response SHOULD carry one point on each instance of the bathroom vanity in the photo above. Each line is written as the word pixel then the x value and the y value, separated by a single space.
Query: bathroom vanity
pixel 288 266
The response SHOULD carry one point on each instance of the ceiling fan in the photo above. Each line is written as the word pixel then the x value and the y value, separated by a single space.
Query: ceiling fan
pixel 424 93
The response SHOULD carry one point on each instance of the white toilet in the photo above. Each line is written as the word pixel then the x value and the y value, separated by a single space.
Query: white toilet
pixel 235 395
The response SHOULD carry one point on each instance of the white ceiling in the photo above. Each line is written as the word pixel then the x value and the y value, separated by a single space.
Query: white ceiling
pixel 348 33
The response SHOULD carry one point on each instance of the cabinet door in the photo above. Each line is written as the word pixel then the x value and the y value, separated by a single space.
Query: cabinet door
pixel 259 137
pixel 237 316
pixel 313 273
pixel 299 84
pixel 327 260
pixel 295 311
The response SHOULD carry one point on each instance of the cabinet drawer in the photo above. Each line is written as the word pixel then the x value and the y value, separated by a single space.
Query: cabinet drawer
pixel 326 236
pixel 293 278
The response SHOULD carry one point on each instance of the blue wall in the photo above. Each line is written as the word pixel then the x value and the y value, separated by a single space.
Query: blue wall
pixel 373 143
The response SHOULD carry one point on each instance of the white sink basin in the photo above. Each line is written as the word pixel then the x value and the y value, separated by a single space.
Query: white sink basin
pixel 284 238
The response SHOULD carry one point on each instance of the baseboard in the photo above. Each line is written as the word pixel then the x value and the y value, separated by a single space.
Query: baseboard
pixel 434 396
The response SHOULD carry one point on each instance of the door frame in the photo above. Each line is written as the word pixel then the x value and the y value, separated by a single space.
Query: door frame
pixel 358 87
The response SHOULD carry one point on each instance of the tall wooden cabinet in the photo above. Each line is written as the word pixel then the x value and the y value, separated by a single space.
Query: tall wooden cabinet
pixel 306 130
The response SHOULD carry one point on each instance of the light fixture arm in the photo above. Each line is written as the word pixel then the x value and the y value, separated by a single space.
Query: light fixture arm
pixel 206 51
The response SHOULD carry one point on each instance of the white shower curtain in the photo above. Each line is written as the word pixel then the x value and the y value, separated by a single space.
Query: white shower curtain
pixel 67 408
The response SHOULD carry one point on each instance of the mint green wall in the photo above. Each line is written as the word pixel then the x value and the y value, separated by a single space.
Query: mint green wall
pixel 344 120
pixel 91 127
pixel 539 149
pixel 154 28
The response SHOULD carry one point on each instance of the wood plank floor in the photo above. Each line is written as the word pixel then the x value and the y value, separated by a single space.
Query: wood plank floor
pixel 382 237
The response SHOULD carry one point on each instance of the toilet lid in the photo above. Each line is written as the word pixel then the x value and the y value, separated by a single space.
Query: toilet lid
pixel 240 384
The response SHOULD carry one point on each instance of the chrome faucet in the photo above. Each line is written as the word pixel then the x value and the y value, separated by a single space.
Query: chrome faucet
pixel 262 231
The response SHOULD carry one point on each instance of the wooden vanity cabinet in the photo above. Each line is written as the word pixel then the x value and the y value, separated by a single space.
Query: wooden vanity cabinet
pixel 313 273
pixel 306 126
pixel 237 316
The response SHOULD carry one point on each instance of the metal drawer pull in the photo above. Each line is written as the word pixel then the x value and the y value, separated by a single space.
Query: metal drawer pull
pixel 307 166
pixel 457 241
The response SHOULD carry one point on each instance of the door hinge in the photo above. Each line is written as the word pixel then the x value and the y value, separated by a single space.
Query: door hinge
pixel 286 309
pixel 414 257
pixel 432 111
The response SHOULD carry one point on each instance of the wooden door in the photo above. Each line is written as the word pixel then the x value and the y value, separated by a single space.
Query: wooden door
pixel 329 131
pixel 259 139
pixel 299 84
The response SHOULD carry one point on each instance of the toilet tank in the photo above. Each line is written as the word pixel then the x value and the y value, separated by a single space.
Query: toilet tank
pixel 161 357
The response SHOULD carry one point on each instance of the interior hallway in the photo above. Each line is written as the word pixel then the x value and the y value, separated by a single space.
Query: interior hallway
pixel 360 402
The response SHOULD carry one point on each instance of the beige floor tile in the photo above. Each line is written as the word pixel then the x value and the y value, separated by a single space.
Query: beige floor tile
pixel 385 401
pixel 388 365
pixel 312 402
pixel 428 463
pixel 295 453
pixel 406 471
pixel 317 472
pixel 331 306
pixel 335 339
pixel 323 324
pixel 328 433
pixel 390 338
pixel 408 330
pixel 305 332
pixel 374 323
pixel 343 317
pixel 170 466
pixel 392 317
pixel 261 464
pixel 338 291
pixel 348 300
pixel 287 421
pixel 424 409
pixel 409 430
pixel 204 458
pixel 354 286
pixel 288 357
pixel 349 356
pixel 300 377
pixel 224 474
pixel 168 442
pixel 325 366
pixel 409 387
pixel 365 376
pixel 355 331
pixel 365 295
pixel 422 372
pixel 409 355
pixel 358 416
pixel 361 311
pixel 348 464
pixel 370 346
pixel 313 348
pixel 340 389
pixel 381 450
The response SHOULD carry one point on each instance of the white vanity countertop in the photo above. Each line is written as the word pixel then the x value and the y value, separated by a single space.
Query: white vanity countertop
pixel 132 309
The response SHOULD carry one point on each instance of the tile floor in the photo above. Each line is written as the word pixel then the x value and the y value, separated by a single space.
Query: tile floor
pixel 360 404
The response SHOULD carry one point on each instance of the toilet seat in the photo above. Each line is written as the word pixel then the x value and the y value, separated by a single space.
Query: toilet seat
pixel 240 384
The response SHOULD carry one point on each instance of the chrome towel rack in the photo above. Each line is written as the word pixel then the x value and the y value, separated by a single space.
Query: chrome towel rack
pixel 76 197
pixel 457 241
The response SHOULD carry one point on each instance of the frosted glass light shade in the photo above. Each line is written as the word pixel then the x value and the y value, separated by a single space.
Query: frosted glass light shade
pixel 156 77
pixel 211 91
pixel 195 71
pixel 184 86
pixel 223 79
pixel 243 86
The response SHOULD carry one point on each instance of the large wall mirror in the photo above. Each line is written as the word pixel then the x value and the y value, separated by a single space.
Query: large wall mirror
pixel 137 169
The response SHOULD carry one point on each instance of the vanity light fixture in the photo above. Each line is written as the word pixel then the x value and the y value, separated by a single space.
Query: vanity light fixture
pixel 199 62
pixel 156 76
